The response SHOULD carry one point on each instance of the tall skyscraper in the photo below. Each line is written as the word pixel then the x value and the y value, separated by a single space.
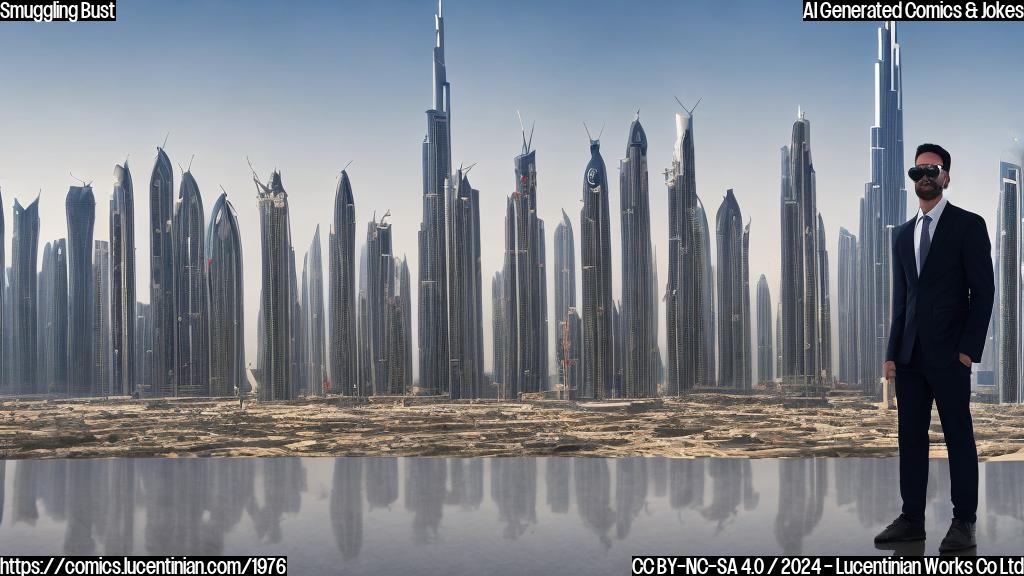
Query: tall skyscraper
pixel 365 386
pixel 708 316
pixel 848 284
pixel 465 322
pixel 499 330
pixel 4 383
pixel 57 335
pixel 81 214
pixel 276 299
pixel 224 275
pixel 433 269
pixel 526 284
pixel 192 297
pixel 161 276
pixel 399 321
pixel 688 298
pixel 596 263
pixel 803 372
pixel 44 323
pixel 618 352
pixel 122 281
pixel 344 360
pixel 7 343
pixel 144 349
pixel 765 335
pixel 24 247
pixel 778 339
pixel 297 333
pixel 568 345
pixel 639 322
pixel 824 307
pixel 734 362
pixel 380 290
pixel 101 320
pixel 883 207
pixel 313 308
pixel 1009 259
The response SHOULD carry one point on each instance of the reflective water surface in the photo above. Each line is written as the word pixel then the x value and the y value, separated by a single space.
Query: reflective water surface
pixel 465 516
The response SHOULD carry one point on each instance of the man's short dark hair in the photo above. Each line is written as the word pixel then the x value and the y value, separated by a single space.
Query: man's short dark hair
pixel 936 149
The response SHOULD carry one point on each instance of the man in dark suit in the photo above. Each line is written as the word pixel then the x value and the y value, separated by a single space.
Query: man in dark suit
pixel 942 292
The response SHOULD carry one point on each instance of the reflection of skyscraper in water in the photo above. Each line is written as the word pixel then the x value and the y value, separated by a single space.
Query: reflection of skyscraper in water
pixel 118 503
pixel 938 489
pixel 231 490
pixel 514 491
pixel 871 484
pixel 593 496
pixel 1004 494
pixel 381 482
pixel 731 485
pixel 347 506
pixel 26 483
pixel 630 493
pixel 424 496
pixel 53 488
pixel 802 487
pixel 657 470
pixel 86 506
pixel 686 483
pixel 557 472
pixel 173 512
pixel 1004 491
pixel 284 481
pixel 467 482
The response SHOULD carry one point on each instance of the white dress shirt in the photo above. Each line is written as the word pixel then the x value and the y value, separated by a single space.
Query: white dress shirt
pixel 934 213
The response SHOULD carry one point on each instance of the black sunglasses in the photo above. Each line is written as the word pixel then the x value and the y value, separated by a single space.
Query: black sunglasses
pixel 929 170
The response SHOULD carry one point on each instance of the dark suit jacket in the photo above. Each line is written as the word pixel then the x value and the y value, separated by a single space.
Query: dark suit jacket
pixel 949 306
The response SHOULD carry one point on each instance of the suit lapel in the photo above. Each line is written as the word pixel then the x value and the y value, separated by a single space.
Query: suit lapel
pixel 942 231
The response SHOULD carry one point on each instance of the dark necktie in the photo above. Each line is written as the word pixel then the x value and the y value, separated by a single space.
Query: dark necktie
pixel 926 242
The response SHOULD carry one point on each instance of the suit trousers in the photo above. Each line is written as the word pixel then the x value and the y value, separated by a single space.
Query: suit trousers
pixel 917 385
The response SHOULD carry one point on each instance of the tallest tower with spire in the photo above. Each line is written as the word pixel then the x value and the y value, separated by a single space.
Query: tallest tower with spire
pixel 433 276
pixel 883 207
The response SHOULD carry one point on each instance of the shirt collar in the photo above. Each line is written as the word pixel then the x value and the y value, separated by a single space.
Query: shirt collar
pixel 935 212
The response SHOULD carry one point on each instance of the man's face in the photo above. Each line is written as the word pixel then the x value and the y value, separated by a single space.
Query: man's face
pixel 929 188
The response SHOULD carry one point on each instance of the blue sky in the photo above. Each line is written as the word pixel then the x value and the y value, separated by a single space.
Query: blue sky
pixel 308 86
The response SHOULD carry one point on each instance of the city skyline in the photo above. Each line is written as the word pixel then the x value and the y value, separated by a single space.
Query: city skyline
pixel 553 197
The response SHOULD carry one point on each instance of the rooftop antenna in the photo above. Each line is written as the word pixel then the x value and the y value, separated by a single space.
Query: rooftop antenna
pixel 190 162
pixel 532 126
pixel 77 178
pixel 601 132
pixel 165 141
pixel 349 163
pixel 223 190
pixel 466 171
pixel 522 130
pixel 588 131
pixel 689 110
pixel 254 174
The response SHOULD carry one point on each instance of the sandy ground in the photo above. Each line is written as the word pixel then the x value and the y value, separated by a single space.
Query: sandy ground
pixel 699 425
